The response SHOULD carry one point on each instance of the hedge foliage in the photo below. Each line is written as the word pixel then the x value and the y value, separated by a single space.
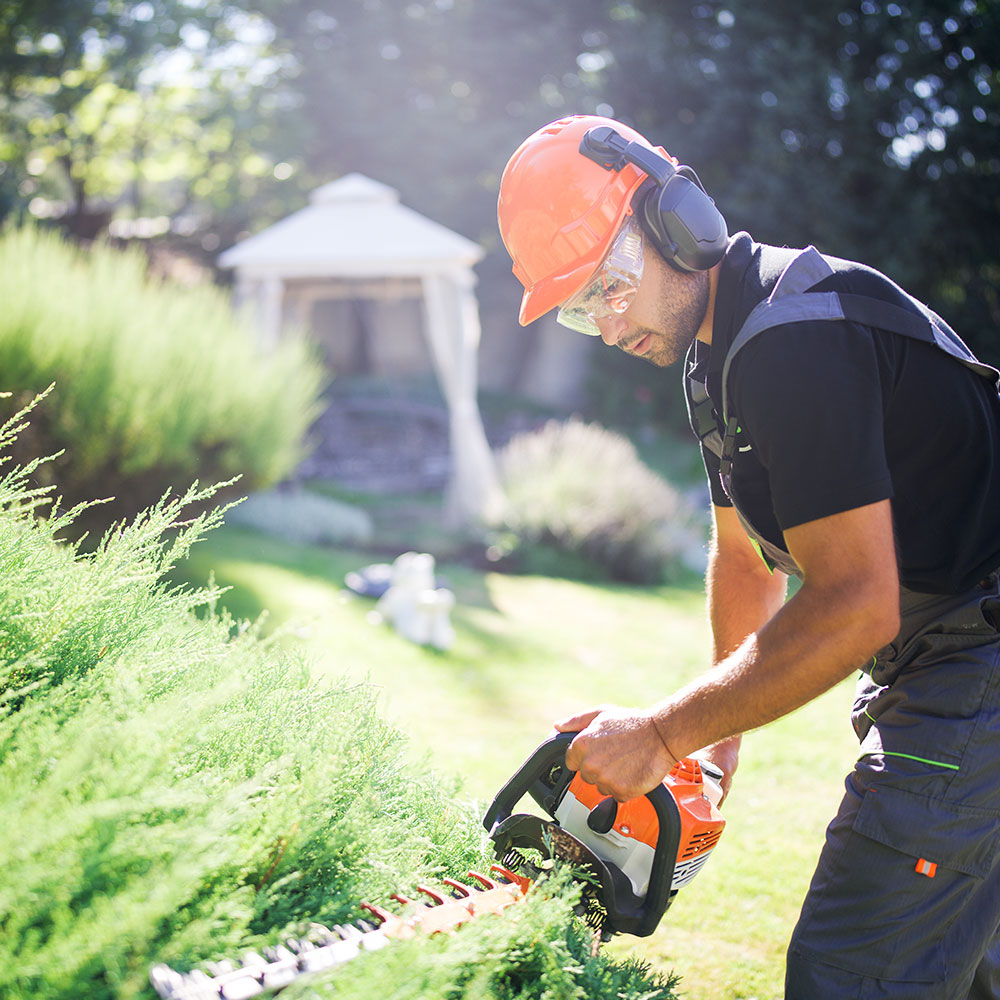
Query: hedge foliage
pixel 580 500
pixel 175 788
pixel 537 950
pixel 156 383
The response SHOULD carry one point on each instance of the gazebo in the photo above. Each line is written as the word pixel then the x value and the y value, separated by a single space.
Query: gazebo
pixel 386 292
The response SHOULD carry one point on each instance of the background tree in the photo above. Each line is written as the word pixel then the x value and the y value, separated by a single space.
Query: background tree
pixel 164 107
pixel 432 98
pixel 869 130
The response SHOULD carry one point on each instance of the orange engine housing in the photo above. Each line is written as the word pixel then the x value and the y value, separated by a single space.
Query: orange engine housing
pixel 638 853
pixel 700 821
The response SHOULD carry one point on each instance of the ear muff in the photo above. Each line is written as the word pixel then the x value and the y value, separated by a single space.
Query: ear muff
pixel 672 205
pixel 682 221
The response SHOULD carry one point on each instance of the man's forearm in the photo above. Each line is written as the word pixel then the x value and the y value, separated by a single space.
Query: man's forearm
pixel 742 597
pixel 814 641
pixel 846 609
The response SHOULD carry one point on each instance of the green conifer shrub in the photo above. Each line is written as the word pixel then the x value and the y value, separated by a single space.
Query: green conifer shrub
pixel 175 788
pixel 535 950
pixel 156 383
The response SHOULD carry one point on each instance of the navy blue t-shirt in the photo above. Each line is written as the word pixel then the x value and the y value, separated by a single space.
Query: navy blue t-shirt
pixel 834 415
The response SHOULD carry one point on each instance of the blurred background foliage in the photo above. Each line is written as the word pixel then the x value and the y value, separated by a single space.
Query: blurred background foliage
pixel 559 518
pixel 868 129
pixel 156 384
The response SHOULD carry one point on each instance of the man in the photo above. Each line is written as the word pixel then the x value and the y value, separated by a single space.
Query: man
pixel 850 438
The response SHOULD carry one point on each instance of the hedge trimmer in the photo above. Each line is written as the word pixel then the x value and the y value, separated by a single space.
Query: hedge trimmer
pixel 632 858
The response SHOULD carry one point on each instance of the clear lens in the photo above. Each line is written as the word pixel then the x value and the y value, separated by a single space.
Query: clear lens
pixel 612 288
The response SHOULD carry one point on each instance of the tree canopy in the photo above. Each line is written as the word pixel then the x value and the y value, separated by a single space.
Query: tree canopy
pixel 868 129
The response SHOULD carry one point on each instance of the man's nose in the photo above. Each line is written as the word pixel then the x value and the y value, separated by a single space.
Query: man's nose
pixel 612 329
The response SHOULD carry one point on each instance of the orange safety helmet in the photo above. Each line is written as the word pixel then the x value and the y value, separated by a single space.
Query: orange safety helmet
pixel 558 211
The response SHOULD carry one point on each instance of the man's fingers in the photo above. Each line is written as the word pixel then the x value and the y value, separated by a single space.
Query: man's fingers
pixel 575 723
pixel 574 755
pixel 613 750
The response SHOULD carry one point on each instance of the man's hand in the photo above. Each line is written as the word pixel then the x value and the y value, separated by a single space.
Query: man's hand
pixel 726 756
pixel 618 750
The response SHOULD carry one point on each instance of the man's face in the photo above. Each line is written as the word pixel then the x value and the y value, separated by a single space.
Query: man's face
pixel 663 318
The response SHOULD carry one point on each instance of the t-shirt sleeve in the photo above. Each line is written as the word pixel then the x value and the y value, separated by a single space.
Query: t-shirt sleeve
pixel 809 400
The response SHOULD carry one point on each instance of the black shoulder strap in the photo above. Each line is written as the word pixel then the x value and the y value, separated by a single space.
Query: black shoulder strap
pixel 701 411
pixel 791 302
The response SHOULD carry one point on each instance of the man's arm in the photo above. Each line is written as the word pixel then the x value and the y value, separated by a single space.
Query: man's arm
pixel 742 594
pixel 742 597
pixel 846 609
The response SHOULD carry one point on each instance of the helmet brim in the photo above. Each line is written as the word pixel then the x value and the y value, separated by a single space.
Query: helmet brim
pixel 551 293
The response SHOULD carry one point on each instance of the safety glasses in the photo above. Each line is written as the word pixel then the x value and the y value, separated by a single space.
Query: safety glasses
pixel 613 287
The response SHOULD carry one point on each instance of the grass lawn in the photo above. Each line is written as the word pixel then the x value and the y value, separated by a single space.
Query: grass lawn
pixel 531 649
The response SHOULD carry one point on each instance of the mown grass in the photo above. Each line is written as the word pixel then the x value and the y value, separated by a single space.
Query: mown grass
pixel 531 649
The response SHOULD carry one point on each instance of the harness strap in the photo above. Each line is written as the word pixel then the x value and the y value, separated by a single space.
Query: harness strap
pixel 701 414
pixel 791 302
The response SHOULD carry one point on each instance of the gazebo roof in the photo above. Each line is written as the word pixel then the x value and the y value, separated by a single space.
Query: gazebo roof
pixel 352 227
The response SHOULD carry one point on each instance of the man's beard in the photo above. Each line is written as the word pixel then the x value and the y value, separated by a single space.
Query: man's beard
pixel 680 309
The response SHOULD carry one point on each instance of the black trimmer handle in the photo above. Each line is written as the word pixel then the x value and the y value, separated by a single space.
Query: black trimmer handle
pixel 545 777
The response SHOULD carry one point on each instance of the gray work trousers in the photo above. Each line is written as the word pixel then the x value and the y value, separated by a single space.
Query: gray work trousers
pixel 905 901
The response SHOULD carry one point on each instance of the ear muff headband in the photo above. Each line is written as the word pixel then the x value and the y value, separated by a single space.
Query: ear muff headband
pixel 672 205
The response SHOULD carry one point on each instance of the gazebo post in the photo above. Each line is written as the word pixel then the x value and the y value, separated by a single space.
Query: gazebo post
pixel 452 324
pixel 269 307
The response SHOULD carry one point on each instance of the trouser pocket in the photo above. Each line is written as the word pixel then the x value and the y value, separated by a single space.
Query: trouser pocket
pixel 901 885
